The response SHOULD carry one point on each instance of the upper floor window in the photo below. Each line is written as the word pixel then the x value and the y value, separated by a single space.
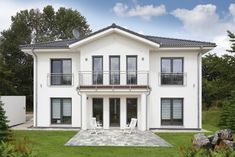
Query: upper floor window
pixel 131 68
pixel 61 72
pixel 97 69
pixel 172 71
pixel 114 69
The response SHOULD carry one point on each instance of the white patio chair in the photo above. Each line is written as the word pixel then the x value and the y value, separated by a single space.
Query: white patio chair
pixel 131 127
pixel 97 128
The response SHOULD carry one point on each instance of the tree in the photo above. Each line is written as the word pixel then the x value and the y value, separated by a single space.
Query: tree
pixel 33 26
pixel 4 128
pixel 232 40
pixel 218 79
pixel 227 118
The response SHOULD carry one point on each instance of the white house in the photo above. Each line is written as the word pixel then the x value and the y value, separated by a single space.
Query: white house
pixel 115 74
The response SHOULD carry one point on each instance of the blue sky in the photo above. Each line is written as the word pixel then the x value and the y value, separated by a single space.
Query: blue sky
pixel 205 20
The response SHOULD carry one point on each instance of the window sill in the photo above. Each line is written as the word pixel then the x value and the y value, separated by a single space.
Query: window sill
pixel 60 125
pixel 171 126
pixel 172 86
pixel 60 86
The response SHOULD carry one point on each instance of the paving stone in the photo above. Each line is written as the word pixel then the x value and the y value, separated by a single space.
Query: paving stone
pixel 117 138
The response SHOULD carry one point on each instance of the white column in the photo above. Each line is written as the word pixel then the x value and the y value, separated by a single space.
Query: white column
pixel 143 112
pixel 84 111
pixel 123 112
pixel 106 113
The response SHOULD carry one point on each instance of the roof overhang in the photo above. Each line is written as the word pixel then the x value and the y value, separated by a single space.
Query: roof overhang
pixel 203 49
pixel 114 30
pixel 29 51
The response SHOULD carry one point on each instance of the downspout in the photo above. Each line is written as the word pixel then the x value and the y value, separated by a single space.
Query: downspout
pixel 149 92
pixel 78 91
pixel 35 85
pixel 198 86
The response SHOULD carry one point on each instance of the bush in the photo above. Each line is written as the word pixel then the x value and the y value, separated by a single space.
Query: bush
pixel 20 148
pixel 227 118
pixel 5 134
pixel 194 152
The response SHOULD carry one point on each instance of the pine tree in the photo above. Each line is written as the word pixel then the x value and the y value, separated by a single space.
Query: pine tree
pixel 231 118
pixel 4 128
pixel 232 40
pixel 224 117
pixel 227 118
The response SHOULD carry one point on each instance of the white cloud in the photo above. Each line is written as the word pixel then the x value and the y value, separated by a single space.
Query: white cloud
pixel 232 9
pixel 203 22
pixel 146 12
pixel 10 8
pixel 120 9
pixel 199 18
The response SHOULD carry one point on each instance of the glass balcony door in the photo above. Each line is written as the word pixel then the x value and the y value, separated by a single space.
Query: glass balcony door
pixel 114 109
pixel 114 69
pixel 98 109
pixel 131 63
pixel 131 109
pixel 97 70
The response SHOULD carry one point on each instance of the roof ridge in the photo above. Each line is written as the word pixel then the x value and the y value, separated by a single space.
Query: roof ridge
pixel 180 39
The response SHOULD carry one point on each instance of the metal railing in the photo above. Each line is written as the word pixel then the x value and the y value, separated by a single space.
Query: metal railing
pixel 60 79
pixel 172 78
pixel 113 78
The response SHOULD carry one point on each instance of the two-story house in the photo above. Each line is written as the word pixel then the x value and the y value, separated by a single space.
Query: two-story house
pixel 115 74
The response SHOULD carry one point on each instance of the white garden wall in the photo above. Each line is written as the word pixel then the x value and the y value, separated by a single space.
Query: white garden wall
pixel 15 107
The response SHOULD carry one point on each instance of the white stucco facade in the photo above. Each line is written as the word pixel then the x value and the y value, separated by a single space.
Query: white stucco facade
pixel 148 99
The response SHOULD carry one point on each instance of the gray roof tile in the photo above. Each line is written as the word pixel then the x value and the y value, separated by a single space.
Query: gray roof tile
pixel 164 42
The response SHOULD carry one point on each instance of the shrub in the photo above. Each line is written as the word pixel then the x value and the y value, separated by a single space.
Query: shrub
pixel 21 148
pixel 5 133
pixel 227 117
pixel 194 152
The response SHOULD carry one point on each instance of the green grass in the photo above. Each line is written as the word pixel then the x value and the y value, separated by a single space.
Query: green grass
pixel 51 143
pixel 210 119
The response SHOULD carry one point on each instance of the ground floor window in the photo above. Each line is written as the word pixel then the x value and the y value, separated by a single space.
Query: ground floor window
pixel 61 110
pixel 171 111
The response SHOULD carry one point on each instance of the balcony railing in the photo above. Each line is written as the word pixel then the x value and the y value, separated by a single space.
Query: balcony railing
pixel 60 79
pixel 172 78
pixel 113 78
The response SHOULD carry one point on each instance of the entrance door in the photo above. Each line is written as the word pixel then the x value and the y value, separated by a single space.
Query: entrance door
pixel 114 110
pixel 131 109
pixel 98 109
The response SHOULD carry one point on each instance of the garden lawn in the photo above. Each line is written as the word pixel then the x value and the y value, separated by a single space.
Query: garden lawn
pixel 51 143
pixel 210 119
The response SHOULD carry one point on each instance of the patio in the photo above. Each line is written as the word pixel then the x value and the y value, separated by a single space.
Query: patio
pixel 117 138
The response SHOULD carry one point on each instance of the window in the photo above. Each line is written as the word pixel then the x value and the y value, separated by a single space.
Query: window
pixel 61 110
pixel 131 63
pixel 131 109
pixel 114 69
pixel 98 109
pixel 61 72
pixel 172 111
pixel 97 69
pixel 172 71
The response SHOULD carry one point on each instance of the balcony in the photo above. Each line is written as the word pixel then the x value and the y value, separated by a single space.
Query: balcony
pixel 60 79
pixel 178 79
pixel 113 79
